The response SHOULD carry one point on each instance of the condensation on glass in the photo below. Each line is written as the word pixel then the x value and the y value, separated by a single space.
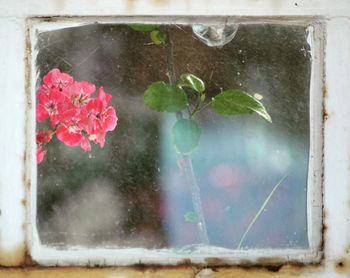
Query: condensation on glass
pixel 132 192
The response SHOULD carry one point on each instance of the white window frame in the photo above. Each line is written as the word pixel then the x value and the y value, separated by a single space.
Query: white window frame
pixel 105 256
pixel 17 124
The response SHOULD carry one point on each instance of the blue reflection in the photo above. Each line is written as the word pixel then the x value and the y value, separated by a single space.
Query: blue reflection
pixel 237 163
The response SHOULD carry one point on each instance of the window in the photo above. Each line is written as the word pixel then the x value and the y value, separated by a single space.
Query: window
pixel 317 137
pixel 137 191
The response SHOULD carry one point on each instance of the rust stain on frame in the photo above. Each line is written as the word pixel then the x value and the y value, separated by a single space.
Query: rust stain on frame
pixel 284 271
pixel 325 115
pixel 96 273
pixel 13 257
pixel 26 260
pixel 342 266
pixel 325 91
pixel 155 272
pixel 28 109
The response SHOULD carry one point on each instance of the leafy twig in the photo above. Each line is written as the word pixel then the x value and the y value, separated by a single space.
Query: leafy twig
pixel 189 172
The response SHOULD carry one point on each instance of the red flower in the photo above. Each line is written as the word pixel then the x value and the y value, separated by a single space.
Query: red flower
pixel 100 117
pixel 40 153
pixel 69 134
pixel 43 136
pixel 71 130
pixel 48 106
pixel 76 117
pixel 80 92
pixel 57 79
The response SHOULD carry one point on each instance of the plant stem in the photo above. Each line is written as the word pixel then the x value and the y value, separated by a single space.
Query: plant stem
pixel 260 211
pixel 189 172
pixel 195 111
pixel 196 199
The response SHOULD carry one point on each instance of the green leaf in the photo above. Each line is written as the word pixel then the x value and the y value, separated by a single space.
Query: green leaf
pixel 186 135
pixel 143 27
pixel 158 37
pixel 192 81
pixel 235 102
pixel 191 216
pixel 163 97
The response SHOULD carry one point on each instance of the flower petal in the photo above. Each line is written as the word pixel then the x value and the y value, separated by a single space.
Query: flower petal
pixel 85 144
pixel 110 119
pixel 41 113
pixel 54 120
pixel 100 139
pixel 67 137
pixel 40 153
pixel 103 96
pixel 43 136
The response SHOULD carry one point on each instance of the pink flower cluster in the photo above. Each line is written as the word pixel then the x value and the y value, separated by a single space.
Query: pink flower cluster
pixel 76 118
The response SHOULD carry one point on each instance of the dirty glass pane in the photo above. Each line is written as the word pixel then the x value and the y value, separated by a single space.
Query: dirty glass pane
pixel 136 190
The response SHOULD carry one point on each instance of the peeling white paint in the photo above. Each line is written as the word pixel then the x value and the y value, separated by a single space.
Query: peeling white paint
pixel 314 189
